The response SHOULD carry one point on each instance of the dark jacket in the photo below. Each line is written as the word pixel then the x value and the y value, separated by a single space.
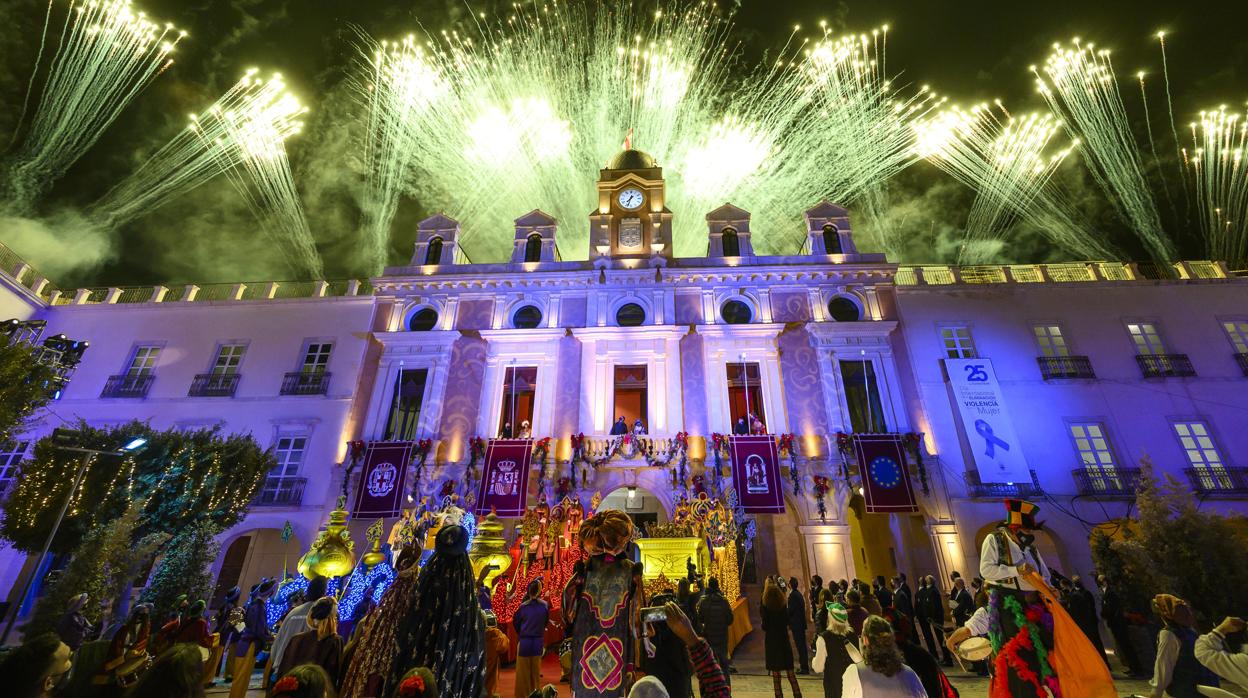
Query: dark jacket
pixel 776 645
pixel 715 616
pixel 670 663
pixel 903 600
pixel 836 662
pixel 884 596
pixel 927 605
pixel 930 674
pixel 797 610
pixel 619 428
pixel 306 648
pixel 964 606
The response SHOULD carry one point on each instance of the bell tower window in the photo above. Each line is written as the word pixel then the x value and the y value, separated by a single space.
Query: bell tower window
pixel 533 248
pixel 831 240
pixel 731 243
pixel 433 254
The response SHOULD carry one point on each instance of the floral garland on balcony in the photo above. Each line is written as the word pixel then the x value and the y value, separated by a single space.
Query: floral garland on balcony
pixel 680 472
pixel 423 447
pixel 564 488
pixel 786 446
pixel 699 485
pixel 914 442
pixel 822 486
pixel 844 446
pixel 626 446
pixel 355 454
pixel 541 449
pixel 719 442
pixel 476 451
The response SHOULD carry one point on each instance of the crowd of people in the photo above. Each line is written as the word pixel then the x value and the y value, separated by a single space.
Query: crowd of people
pixel 433 634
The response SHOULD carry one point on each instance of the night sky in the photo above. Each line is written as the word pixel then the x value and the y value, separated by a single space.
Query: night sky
pixel 968 50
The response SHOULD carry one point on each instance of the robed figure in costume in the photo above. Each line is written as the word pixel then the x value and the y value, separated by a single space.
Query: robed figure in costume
pixel 600 605
pixel 1021 626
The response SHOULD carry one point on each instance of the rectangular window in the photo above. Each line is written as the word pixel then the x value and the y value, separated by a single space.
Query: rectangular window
pixel 1096 456
pixel 316 357
pixel 519 389
pixel 862 397
pixel 745 398
pixel 229 357
pixel 1050 340
pixel 1202 454
pixel 405 404
pixel 143 361
pixel 630 397
pixel 1237 332
pixel 289 451
pixel 957 342
pixel 1146 338
pixel 11 453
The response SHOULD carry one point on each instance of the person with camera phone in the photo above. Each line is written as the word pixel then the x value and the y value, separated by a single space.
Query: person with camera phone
pixel 668 619
pixel 1214 651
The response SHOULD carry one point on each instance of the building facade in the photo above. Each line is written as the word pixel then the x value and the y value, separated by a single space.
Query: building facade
pixel 1098 367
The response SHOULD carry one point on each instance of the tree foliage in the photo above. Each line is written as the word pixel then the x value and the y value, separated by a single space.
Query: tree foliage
pixel 185 567
pixel 1175 548
pixel 180 477
pixel 25 387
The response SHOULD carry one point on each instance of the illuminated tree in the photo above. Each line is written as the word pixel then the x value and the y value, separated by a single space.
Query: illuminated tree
pixel 25 386
pixel 181 477
pixel 184 567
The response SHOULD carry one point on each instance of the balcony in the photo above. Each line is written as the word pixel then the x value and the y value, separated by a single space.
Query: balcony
pixel 1165 365
pixel 281 492
pixel 214 385
pixel 1107 483
pixel 1242 359
pixel 300 383
pixel 128 386
pixel 1218 482
pixel 999 490
pixel 1060 367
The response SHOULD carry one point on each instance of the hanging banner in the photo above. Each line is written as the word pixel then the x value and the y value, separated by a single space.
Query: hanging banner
pixel 756 474
pixel 885 474
pixel 383 482
pixel 985 421
pixel 505 477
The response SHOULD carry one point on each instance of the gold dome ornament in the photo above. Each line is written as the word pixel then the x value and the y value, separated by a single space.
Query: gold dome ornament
pixel 333 552
pixel 374 556
pixel 489 547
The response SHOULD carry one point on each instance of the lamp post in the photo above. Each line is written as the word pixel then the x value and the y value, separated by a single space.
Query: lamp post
pixel 59 437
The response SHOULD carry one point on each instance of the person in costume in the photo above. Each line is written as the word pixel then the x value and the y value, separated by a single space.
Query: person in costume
pixel 127 654
pixel 74 628
pixel 1021 625
pixel 370 653
pixel 443 628
pixel 836 649
pixel 253 638
pixel 226 631
pixel 1177 672
pixel 601 604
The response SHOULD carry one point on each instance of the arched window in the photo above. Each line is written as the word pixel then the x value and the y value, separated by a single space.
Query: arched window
pixel 527 318
pixel 533 248
pixel 843 309
pixel 423 320
pixel 831 240
pixel 630 315
pixel 731 243
pixel 433 253
pixel 736 313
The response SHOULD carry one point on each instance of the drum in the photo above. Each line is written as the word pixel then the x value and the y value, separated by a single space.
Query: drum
pixel 975 649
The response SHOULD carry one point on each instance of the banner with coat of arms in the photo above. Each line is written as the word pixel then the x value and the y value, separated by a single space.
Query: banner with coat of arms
pixel 885 474
pixel 384 480
pixel 756 474
pixel 505 477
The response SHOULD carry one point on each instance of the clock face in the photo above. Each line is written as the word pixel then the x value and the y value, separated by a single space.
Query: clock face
pixel 631 198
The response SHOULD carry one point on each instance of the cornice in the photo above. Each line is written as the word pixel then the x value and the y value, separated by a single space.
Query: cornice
pixel 828 334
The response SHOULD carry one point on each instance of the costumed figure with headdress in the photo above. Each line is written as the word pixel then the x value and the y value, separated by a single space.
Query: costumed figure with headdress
pixel 443 628
pixel 370 654
pixel 227 630
pixel 1021 626
pixel 74 628
pixel 127 654
pixel 253 638
pixel 601 604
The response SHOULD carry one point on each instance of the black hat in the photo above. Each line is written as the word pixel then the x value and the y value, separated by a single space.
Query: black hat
pixel 232 595
pixel 263 587
pixel 452 540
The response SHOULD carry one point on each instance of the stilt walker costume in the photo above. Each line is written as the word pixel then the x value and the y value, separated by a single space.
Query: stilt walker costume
pixel 1021 627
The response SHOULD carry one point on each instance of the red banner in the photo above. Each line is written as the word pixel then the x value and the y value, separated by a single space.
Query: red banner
pixel 885 474
pixel 505 478
pixel 383 482
pixel 756 474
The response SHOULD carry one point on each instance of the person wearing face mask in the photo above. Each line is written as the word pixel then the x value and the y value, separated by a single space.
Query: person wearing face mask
pixel 37 669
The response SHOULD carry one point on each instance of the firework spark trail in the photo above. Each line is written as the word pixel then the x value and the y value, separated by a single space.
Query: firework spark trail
pixel 1217 171
pixel 1079 85
pixel 1152 145
pixel 1008 161
pixel 244 130
pixel 525 115
pixel 107 54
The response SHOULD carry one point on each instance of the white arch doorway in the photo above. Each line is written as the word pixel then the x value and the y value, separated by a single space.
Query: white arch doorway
pixel 642 505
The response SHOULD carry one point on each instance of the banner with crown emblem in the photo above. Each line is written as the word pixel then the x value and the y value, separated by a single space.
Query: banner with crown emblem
pixel 384 479
pixel 885 474
pixel 756 474
pixel 505 477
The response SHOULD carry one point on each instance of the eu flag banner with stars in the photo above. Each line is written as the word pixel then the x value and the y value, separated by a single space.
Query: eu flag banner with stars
pixel 885 474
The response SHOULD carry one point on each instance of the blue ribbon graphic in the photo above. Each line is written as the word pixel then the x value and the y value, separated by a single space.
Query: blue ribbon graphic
pixel 991 441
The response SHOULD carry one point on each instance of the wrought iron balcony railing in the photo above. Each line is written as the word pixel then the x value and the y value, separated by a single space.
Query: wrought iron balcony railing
pixel 1165 365
pixel 300 383
pixel 1057 367
pixel 127 385
pixel 214 385
pixel 1107 483
pixel 1218 481
pixel 281 492
pixel 998 490
pixel 1242 359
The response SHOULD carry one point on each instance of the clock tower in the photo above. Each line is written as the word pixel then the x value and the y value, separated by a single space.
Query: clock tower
pixel 632 220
